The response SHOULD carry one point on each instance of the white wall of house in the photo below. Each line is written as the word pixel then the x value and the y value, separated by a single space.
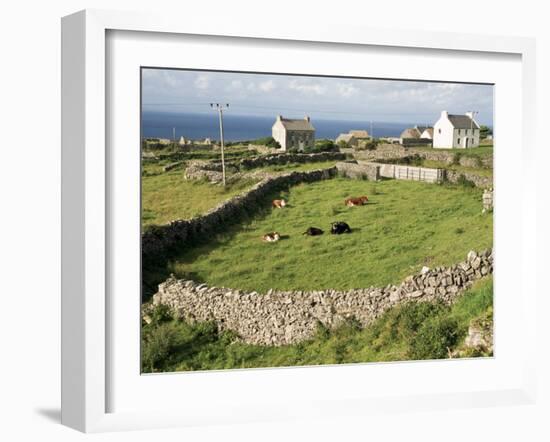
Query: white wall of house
pixel 278 132
pixel 444 136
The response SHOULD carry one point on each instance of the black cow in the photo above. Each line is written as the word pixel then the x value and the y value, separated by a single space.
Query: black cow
pixel 313 231
pixel 339 227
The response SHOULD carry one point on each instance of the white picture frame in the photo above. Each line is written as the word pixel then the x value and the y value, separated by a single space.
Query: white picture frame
pixel 87 210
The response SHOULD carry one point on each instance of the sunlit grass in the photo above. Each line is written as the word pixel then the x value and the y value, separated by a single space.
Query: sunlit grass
pixel 405 226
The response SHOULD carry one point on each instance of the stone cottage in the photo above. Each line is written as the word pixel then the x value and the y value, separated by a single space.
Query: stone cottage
pixel 299 134
pixel 456 131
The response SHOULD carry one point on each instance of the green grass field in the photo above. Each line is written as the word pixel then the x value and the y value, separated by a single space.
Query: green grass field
pixel 483 150
pixel 405 225
pixel 480 171
pixel 169 196
pixel 411 331
pixel 294 167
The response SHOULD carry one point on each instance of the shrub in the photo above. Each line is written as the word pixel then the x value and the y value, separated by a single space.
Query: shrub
pixel 465 182
pixel 157 346
pixel 367 145
pixel 324 145
pixel 161 313
pixel 267 141
pixel 456 159
pixel 435 338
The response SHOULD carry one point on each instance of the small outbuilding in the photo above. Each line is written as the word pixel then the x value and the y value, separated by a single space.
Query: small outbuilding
pixel 349 139
pixel 417 135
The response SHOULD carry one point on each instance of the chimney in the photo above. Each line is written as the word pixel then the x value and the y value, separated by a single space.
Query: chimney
pixel 307 118
pixel 279 117
pixel 470 114
pixel 445 114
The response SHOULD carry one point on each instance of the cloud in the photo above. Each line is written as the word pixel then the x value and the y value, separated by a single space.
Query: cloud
pixel 320 97
pixel 346 89
pixel 202 82
pixel 235 85
pixel 267 86
pixel 307 87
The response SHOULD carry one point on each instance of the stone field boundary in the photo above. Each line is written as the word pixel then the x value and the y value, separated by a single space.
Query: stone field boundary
pixel 287 317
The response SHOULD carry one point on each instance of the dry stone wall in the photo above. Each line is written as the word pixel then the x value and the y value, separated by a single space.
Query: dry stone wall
pixel 351 169
pixel 396 151
pixel 285 317
pixel 160 241
pixel 212 170
pixel 478 180
pixel 488 203
pixel 286 158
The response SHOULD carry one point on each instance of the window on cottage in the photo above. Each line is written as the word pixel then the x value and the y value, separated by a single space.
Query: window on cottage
pixel 458 140
pixel 439 130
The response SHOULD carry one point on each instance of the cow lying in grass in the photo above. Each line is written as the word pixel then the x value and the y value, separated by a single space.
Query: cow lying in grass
pixel 360 201
pixel 339 227
pixel 271 237
pixel 313 231
pixel 278 204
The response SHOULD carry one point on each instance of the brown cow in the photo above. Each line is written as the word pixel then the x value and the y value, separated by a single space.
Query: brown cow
pixel 279 204
pixel 360 201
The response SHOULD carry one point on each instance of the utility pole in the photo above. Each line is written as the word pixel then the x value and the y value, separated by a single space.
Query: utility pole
pixel 371 134
pixel 219 107
pixel 174 134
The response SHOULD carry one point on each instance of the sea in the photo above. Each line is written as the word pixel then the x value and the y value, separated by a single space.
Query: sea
pixel 245 128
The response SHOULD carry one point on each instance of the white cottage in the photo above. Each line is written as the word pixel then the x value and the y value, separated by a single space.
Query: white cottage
pixel 299 134
pixel 456 131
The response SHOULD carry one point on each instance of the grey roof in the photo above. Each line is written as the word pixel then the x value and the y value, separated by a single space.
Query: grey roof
pixel 422 128
pixel 301 124
pixel 462 122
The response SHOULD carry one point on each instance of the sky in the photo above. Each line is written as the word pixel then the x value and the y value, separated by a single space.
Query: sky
pixel 168 90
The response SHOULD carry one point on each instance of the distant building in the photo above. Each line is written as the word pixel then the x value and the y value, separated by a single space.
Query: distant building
pixel 298 134
pixel 353 137
pixel 456 131
pixel 349 139
pixel 360 134
pixel 415 135
pixel 183 141
pixel 428 133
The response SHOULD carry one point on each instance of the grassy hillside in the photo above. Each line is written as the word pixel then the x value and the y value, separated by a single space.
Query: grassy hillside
pixel 405 225
pixel 169 196
pixel 410 331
